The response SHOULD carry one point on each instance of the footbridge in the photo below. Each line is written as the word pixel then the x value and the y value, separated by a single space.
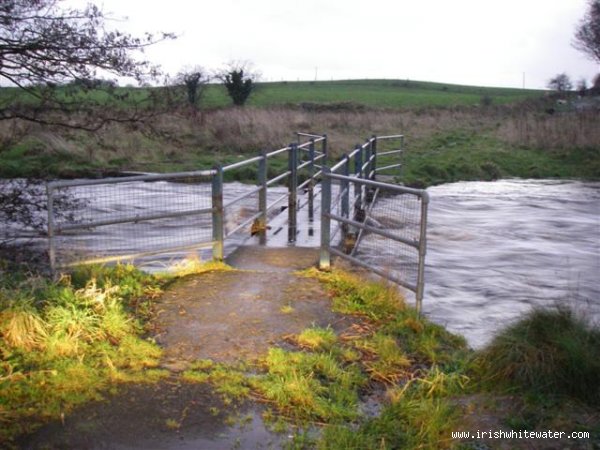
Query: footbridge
pixel 346 209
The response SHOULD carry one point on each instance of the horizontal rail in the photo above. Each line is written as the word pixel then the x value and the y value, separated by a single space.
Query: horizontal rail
pixel 379 272
pixel 393 136
pixel 114 180
pixel 133 219
pixel 300 186
pixel 279 177
pixel 243 196
pixel 277 152
pixel 388 187
pixel 243 163
pixel 367 143
pixel 390 152
pixel 391 166
pixel 321 137
pixel 108 259
pixel 387 234
pixel 338 165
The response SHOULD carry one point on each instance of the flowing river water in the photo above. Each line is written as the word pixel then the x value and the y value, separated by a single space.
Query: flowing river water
pixel 498 249
pixel 495 249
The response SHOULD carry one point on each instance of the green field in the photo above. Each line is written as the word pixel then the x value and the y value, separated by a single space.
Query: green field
pixel 367 93
pixel 453 132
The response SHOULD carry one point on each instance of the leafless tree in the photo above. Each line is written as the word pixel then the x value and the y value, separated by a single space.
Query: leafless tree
pixel 52 57
pixel 587 35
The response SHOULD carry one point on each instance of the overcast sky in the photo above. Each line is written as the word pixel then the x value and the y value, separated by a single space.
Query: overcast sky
pixel 479 42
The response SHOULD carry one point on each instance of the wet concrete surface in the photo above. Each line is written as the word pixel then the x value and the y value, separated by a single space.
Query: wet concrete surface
pixel 238 315
pixel 167 415
pixel 223 316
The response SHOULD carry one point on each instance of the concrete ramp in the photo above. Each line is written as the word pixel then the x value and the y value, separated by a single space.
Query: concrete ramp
pixel 239 314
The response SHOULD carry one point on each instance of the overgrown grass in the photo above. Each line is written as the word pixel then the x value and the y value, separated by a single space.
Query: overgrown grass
pixel 449 136
pixel 551 353
pixel 65 342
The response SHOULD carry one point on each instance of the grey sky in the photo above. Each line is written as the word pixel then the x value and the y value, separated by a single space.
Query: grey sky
pixel 481 42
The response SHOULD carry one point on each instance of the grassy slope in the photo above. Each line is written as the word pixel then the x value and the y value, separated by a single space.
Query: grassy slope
pixel 372 93
pixel 450 137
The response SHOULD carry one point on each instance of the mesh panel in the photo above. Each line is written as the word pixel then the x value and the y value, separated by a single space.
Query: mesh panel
pixel 120 219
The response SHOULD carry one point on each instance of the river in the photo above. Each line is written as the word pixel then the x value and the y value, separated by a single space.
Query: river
pixel 498 249
pixel 495 249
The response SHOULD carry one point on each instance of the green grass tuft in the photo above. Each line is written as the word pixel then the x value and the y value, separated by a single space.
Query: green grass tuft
pixel 551 352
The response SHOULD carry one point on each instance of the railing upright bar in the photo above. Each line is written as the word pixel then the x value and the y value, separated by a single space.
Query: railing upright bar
pixel 345 189
pixel 358 186
pixel 217 215
pixel 311 183
pixel 422 252
pixel 262 198
pixel 292 192
pixel 374 152
pixel 325 254
pixel 324 149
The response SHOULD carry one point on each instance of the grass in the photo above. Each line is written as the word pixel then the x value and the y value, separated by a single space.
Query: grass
pixel 449 135
pixel 65 342
pixel 550 353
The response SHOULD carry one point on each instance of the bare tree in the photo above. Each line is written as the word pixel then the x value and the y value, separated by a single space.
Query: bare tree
pixel 51 56
pixel 560 83
pixel 587 35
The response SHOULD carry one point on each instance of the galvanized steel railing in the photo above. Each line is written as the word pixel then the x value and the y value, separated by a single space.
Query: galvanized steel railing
pixel 96 195
pixel 356 209
pixel 359 218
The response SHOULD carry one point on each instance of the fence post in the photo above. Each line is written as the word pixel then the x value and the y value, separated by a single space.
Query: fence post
pixel 367 173
pixel 345 191
pixel 401 156
pixel 374 153
pixel 358 209
pixel 217 213
pixel 324 150
pixel 325 255
pixel 311 183
pixel 292 192
pixel 262 198
pixel 422 251
pixel 51 248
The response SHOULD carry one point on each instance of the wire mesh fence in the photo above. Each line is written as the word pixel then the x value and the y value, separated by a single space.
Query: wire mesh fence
pixel 130 217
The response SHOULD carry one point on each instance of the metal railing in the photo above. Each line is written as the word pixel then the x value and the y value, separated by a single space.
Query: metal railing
pixel 358 212
pixel 206 213
pixel 133 208
pixel 389 220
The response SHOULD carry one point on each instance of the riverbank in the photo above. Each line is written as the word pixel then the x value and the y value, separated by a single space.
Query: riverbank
pixel 386 379
pixel 442 144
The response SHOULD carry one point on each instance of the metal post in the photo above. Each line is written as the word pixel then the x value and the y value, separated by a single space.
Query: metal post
pixel 217 214
pixel 324 150
pixel 345 189
pixel 262 198
pixel 367 173
pixel 358 209
pixel 311 183
pixel 325 255
pixel 401 156
pixel 374 153
pixel 422 251
pixel 292 192
pixel 51 249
